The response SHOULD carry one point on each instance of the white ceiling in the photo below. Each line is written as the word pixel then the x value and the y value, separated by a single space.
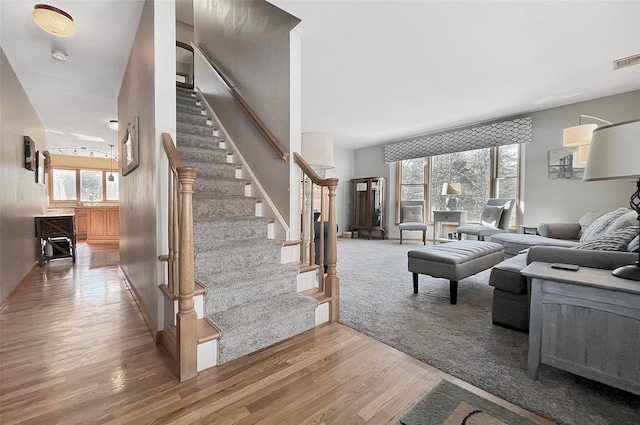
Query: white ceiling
pixel 372 71
pixel 74 99
pixel 375 71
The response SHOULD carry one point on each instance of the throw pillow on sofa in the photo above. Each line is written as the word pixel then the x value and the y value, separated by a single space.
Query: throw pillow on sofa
pixel 630 218
pixel 634 245
pixel 618 240
pixel 601 224
pixel 491 215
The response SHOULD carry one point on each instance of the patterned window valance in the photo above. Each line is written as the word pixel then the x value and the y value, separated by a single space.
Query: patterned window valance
pixel 485 136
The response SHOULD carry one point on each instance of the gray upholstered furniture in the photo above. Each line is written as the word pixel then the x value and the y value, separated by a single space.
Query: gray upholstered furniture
pixel 495 219
pixel 412 218
pixel 511 295
pixel 453 261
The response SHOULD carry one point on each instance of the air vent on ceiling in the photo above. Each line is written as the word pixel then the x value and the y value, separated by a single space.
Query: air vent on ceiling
pixel 625 62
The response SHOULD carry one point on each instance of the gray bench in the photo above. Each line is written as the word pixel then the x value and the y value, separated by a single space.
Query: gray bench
pixel 453 261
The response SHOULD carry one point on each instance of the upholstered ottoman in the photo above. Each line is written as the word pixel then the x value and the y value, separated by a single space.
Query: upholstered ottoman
pixel 511 294
pixel 453 261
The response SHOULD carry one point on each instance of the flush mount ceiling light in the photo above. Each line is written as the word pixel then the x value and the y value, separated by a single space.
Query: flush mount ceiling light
pixel 60 55
pixel 53 20
pixel 113 124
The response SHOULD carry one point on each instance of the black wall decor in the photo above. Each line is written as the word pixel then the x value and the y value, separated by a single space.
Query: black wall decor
pixel 29 154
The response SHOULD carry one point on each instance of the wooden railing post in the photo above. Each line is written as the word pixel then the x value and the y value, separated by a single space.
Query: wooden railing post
pixel 332 282
pixel 186 336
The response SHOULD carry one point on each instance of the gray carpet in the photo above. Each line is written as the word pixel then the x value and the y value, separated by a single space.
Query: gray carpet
pixel 377 299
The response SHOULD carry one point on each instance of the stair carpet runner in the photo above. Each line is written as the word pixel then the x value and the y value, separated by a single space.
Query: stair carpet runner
pixel 250 296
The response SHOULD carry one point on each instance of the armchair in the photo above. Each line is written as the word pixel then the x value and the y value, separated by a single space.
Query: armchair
pixel 412 218
pixel 495 219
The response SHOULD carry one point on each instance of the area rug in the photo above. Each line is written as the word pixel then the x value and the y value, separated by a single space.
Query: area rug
pixel 101 259
pixel 448 404
pixel 377 299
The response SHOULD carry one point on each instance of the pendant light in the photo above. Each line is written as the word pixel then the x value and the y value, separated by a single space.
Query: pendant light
pixel 111 178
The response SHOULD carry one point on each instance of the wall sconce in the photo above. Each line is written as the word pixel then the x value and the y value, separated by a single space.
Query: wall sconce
pixel 580 136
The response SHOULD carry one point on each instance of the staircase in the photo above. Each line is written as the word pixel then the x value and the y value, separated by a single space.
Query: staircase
pixel 250 297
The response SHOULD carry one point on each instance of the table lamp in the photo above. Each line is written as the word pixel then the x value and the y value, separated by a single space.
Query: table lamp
pixel 615 154
pixel 451 190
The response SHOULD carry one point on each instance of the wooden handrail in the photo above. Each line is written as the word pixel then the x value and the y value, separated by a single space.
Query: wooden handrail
pixel 275 143
pixel 172 153
pixel 329 285
pixel 181 257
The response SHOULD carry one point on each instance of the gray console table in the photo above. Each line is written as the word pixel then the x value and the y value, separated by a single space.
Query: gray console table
pixel 586 322
pixel 458 217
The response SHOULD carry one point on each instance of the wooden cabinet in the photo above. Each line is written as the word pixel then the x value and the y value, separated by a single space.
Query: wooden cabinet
pixel 97 224
pixel 81 218
pixel 369 205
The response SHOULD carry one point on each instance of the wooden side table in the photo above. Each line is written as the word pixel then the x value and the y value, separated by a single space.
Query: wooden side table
pixel 586 322
pixel 59 231
pixel 459 218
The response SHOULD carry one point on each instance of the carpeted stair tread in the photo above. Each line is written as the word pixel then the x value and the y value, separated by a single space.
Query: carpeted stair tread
pixel 229 228
pixel 209 206
pixel 227 290
pixel 187 127
pixel 186 107
pixel 197 140
pixel 230 255
pixel 200 154
pixel 219 187
pixel 214 169
pixel 251 327
pixel 188 117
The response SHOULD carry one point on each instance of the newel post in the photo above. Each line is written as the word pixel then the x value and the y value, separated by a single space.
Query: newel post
pixel 332 282
pixel 186 334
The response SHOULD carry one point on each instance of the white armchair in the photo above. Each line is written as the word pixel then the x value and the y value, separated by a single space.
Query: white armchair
pixel 412 218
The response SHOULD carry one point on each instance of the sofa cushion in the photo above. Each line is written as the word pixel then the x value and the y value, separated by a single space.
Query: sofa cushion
pixel 587 220
pixel 506 275
pixel 601 224
pixel 617 240
pixel 630 218
pixel 491 215
pixel 514 243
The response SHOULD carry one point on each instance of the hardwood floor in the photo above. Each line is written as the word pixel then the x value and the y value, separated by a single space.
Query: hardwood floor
pixel 74 350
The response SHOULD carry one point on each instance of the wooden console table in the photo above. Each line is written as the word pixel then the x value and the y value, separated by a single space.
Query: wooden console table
pixel 586 322
pixel 59 232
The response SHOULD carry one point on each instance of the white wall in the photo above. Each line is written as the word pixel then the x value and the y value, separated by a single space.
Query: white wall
pixel 544 199
pixel 148 91
pixel 568 199
pixel 344 163
pixel 21 198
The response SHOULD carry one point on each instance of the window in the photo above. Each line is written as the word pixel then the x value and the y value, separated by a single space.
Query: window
pixel 482 173
pixel 64 185
pixel 92 185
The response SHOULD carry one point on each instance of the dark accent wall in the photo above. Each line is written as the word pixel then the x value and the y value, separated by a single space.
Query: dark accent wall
pixel 249 41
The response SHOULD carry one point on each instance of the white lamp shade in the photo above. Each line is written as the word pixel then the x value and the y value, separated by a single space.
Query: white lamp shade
pixel 615 152
pixel 581 156
pixel 317 150
pixel 578 135
pixel 451 189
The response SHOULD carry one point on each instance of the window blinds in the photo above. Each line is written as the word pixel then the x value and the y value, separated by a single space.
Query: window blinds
pixel 500 133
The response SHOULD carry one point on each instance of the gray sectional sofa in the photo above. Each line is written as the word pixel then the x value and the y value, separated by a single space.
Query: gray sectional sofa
pixel 601 241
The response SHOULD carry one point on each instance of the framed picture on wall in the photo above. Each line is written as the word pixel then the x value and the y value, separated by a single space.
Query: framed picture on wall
pixel 40 173
pixel 130 157
pixel 562 164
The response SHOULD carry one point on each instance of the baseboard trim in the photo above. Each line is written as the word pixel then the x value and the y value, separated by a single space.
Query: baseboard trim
pixel 15 288
pixel 138 300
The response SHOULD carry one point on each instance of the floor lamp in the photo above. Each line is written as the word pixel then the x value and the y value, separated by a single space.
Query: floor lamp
pixel 615 154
